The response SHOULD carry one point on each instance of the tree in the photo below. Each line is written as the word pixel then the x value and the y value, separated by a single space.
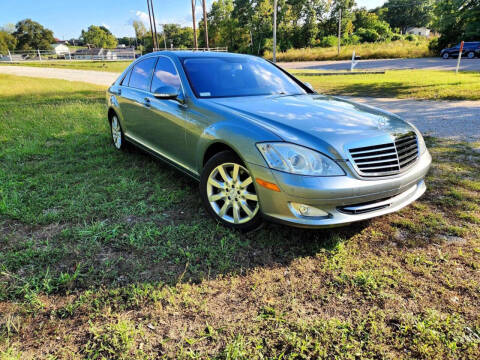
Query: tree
pixel 99 37
pixel 369 27
pixel 179 37
pixel 140 29
pixel 7 42
pixel 403 14
pixel 31 35
pixel 456 20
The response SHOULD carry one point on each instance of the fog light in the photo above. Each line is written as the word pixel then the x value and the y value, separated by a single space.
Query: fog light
pixel 306 210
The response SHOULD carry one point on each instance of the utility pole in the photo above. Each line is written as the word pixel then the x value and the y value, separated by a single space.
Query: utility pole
pixel 205 22
pixel 155 24
pixel 154 43
pixel 164 37
pixel 339 31
pixel 275 31
pixel 195 44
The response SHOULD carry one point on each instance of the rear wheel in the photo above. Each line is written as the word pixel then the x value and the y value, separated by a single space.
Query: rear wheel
pixel 470 55
pixel 228 192
pixel 117 133
pixel 445 55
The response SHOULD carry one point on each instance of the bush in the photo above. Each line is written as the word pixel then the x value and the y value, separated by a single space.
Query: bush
pixel 396 37
pixel 367 35
pixel 329 41
pixel 351 40
pixel 434 46
pixel 411 37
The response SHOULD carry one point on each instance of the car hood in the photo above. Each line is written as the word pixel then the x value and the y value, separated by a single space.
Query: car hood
pixel 325 123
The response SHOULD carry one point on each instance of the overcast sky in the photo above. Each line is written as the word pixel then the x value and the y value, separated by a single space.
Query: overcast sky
pixel 68 18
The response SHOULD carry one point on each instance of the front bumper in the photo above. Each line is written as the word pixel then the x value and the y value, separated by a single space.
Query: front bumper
pixel 346 199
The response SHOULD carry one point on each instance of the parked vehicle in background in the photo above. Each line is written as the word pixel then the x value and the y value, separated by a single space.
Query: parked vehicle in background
pixel 470 50
pixel 265 145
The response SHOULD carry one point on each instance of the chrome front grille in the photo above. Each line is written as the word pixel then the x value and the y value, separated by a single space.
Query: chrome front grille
pixel 386 159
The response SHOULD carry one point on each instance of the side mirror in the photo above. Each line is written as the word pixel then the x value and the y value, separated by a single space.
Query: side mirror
pixel 166 93
pixel 307 84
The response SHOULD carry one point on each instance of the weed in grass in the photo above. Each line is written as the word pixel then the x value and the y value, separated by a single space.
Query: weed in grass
pixel 115 340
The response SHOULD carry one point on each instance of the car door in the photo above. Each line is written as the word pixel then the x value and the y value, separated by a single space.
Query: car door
pixel 133 104
pixel 168 117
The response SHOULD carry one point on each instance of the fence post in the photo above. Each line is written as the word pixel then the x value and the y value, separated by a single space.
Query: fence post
pixel 69 54
pixel 39 55
pixel 459 57
pixel 9 55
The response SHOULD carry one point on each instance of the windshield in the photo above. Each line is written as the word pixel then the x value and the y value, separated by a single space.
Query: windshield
pixel 212 77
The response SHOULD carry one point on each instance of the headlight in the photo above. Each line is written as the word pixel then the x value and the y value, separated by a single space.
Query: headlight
pixel 422 147
pixel 296 159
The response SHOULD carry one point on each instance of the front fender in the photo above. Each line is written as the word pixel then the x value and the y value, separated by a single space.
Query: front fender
pixel 240 137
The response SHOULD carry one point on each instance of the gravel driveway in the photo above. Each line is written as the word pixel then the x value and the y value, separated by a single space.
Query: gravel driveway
pixel 458 120
pixel 93 77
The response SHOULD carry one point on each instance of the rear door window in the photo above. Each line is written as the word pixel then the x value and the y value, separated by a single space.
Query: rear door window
pixel 141 76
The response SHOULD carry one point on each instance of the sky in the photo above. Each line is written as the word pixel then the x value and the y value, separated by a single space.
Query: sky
pixel 67 18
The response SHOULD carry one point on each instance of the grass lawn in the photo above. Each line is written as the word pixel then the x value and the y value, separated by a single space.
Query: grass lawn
pixel 109 66
pixel 419 84
pixel 109 255
pixel 383 50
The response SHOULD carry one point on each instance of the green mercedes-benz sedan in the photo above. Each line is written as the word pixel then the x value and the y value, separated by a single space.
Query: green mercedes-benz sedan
pixel 265 145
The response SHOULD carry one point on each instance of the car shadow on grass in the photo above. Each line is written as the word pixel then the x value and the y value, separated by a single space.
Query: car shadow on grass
pixel 127 219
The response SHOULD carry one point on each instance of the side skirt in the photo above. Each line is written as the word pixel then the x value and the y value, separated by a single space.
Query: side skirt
pixel 162 158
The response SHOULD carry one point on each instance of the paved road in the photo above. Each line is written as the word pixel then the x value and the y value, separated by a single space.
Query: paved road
pixel 387 64
pixel 450 119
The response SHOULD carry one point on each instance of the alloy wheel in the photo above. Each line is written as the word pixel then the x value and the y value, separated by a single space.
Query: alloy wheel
pixel 231 193
pixel 116 133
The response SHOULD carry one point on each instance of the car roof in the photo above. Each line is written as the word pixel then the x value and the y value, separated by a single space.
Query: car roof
pixel 197 54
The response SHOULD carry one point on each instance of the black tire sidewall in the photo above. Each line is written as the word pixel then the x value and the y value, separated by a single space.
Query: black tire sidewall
pixel 468 55
pixel 216 160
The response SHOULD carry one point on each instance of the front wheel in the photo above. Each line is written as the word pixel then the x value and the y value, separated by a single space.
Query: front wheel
pixel 445 55
pixel 228 192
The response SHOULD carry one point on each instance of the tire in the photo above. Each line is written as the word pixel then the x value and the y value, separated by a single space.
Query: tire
pixel 117 136
pixel 228 192
pixel 445 55
pixel 470 55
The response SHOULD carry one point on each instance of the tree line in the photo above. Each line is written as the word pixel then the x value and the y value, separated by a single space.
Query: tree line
pixel 246 26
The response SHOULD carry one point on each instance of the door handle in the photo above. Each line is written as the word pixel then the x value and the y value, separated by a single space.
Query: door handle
pixel 147 102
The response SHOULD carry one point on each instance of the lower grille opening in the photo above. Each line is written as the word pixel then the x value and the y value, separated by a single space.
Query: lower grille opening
pixel 364 207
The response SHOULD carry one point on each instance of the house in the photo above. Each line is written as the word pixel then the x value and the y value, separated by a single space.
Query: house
pixel 94 54
pixel 60 49
pixel 421 31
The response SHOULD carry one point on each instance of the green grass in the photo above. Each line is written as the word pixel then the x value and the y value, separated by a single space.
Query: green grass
pixel 382 50
pixel 109 66
pixel 110 255
pixel 418 84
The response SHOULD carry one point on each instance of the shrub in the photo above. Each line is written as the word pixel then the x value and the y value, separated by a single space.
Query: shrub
pixel 351 40
pixel 396 37
pixel 411 37
pixel 367 35
pixel 434 46
pixel 329 41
